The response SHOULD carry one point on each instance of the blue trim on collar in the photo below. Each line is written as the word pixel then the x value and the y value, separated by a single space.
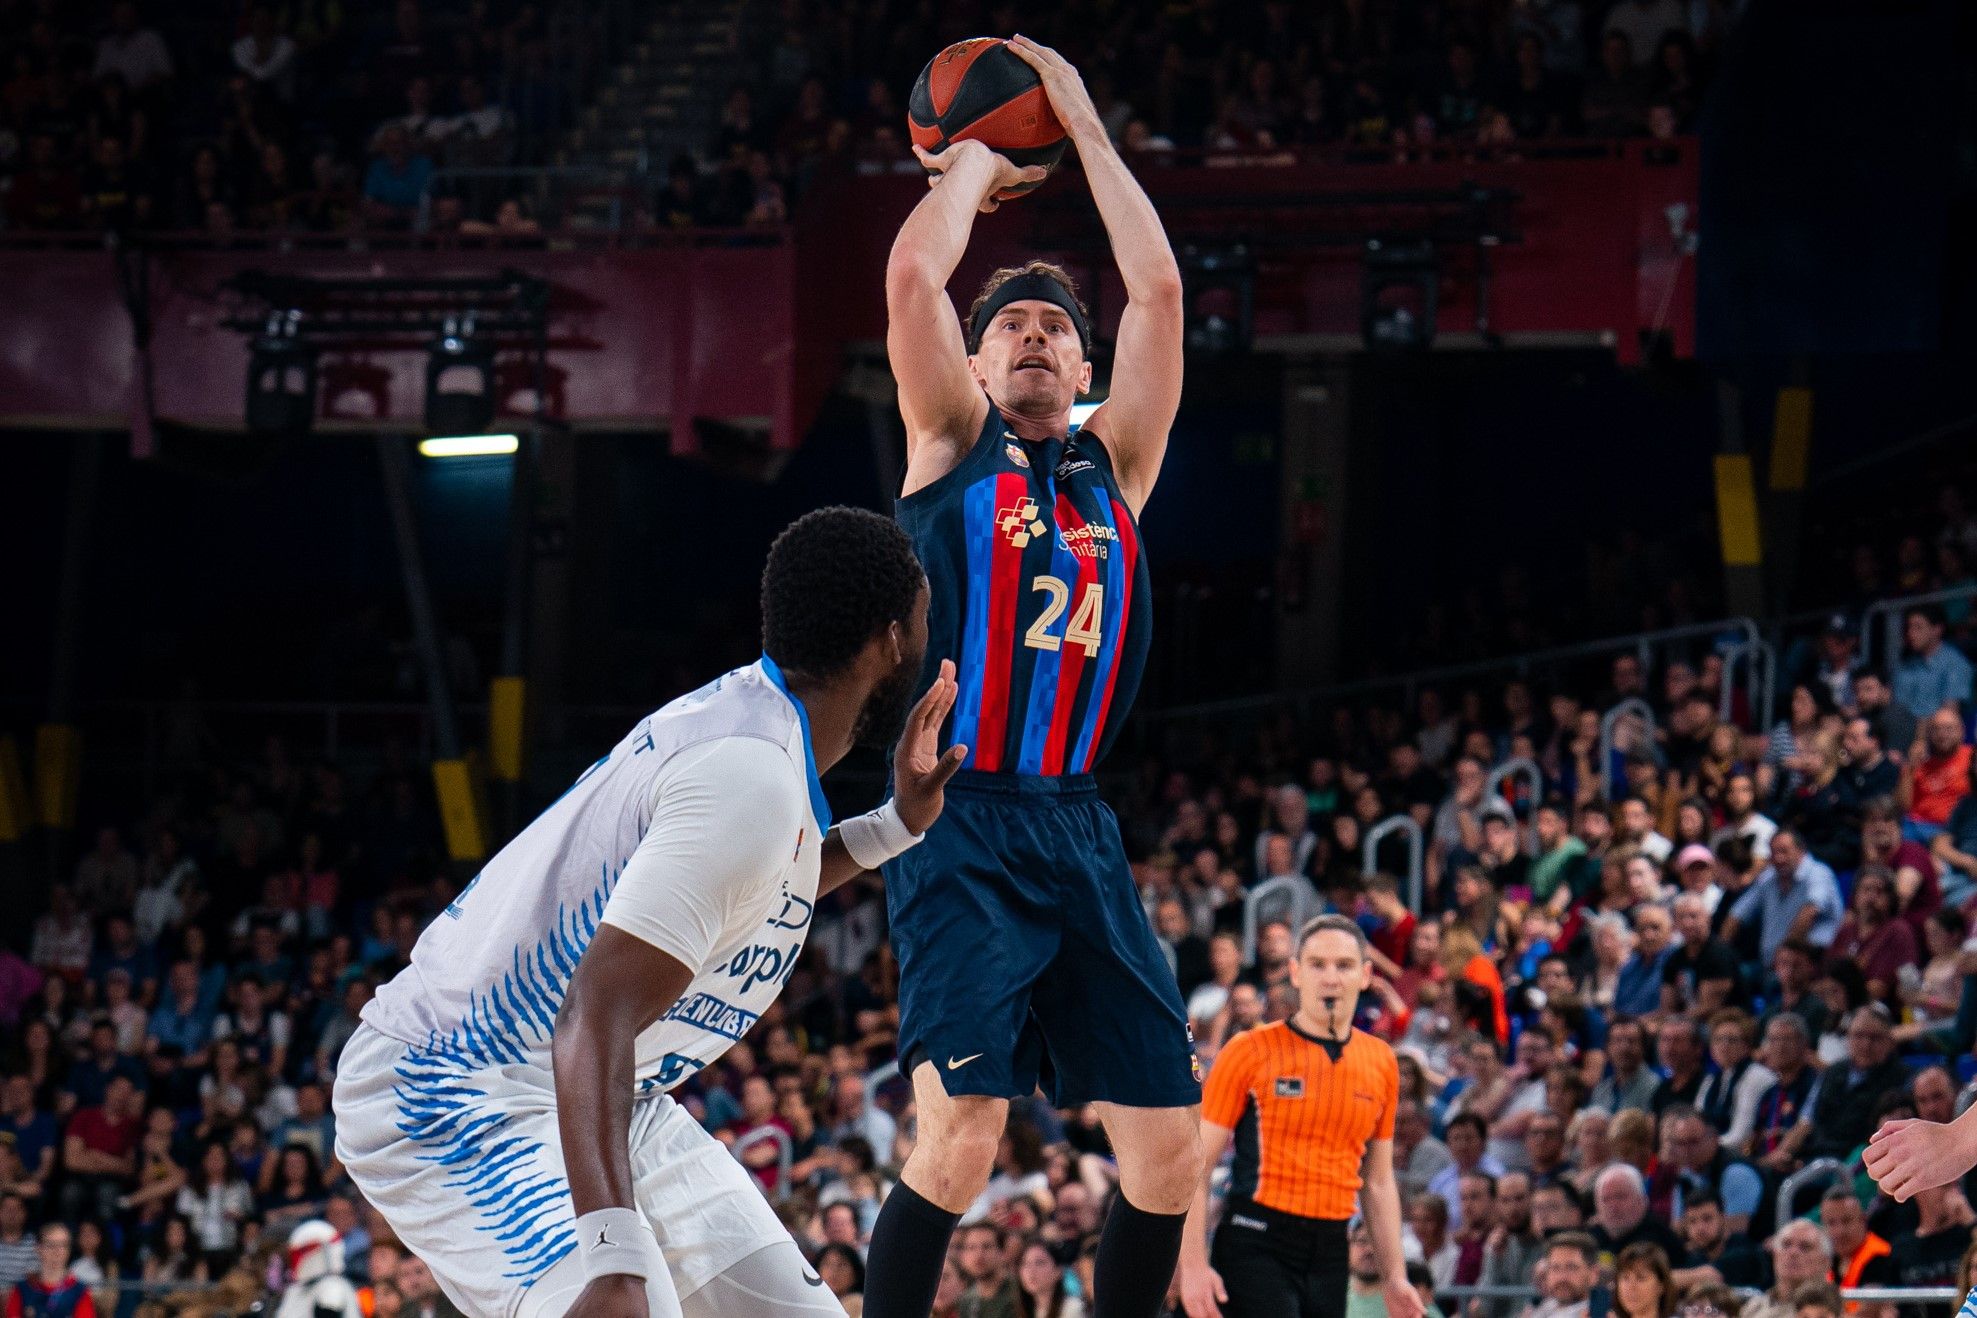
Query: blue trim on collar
pixel 818 805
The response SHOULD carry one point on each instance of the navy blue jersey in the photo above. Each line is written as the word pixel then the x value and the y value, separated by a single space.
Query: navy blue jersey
pixel 1040 596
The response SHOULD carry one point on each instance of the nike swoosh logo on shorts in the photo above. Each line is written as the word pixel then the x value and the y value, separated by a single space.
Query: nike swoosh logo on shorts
pixel 956 1063
pixel 809 1280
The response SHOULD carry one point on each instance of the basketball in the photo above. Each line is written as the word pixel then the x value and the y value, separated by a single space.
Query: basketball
pixel 980 90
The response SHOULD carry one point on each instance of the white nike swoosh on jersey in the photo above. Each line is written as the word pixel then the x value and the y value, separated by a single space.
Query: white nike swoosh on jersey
pixel 955 1064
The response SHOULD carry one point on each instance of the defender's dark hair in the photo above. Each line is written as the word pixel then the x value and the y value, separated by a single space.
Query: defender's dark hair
pixel 836 578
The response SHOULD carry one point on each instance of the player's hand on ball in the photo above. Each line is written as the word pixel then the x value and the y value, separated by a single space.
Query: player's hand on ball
pixel 1202 1292
pixel 615 1296
pixel 1063 86
pixel 1002 172
pixel 1403 1301
pixel 1907 1157
pixel 919 770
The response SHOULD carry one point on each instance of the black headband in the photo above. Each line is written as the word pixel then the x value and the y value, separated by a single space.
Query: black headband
pixel 1033 287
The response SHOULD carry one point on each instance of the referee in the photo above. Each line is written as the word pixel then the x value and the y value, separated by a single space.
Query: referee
pixel 1310 1105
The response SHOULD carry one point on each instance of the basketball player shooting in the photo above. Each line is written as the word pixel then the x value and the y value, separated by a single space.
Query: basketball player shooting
pixel 1024 954
pixel 504 1103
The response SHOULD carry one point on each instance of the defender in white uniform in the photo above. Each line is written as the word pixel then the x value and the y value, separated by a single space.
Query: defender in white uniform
pixel 504 1104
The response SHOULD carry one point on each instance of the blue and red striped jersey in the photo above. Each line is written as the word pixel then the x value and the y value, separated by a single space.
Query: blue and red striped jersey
pixel 1040 596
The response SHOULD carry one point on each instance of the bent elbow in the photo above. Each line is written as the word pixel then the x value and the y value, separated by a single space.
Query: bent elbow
pixel 910 278
pixel 1167 289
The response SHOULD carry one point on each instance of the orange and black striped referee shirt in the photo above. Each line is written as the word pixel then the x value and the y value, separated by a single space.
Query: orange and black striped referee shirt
pixel 1302 1117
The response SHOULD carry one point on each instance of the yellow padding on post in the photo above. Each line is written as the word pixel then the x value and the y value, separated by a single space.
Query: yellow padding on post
pixel 1791 438
pixel 14 818
pixel 459 813
pixel 505 705
pixel 57 774
pixel 1736 511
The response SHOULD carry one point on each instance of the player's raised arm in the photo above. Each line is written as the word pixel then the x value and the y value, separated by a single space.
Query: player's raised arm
pixel 1134 422
pixel 939 398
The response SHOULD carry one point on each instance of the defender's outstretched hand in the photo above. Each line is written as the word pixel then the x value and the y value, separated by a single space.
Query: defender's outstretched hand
pixel 1064 87
pixel 919 770
pixel 961 158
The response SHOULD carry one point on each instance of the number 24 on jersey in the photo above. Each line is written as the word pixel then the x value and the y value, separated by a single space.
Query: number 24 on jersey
pixel 1084 625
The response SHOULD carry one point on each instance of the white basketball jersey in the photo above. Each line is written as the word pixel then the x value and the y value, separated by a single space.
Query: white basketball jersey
pixel 700 833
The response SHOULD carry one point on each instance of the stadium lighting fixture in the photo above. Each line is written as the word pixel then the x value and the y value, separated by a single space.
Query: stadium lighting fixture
pixel 1399 295
pixel 281 379
pixel 459 380
pixel 468 446
pixel 1219 302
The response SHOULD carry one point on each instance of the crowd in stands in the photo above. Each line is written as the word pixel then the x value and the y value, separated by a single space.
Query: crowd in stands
pixel 1218 76
pixel 318 117
pixel 1917 549
pixel 1639 998
pixel 1914 534
pixel 297 116
pixel 1632 1003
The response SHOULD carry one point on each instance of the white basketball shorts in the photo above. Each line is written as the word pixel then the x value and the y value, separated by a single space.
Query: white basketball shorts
pixel 466 1164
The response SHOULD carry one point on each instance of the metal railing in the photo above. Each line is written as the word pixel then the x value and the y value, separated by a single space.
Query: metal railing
pixel 1416 875
pixel 1644 645
pixel 1761 659
pixel 359 238
pixel 1633 707
pixel 874 1082
pixel 551 192
pixel 769 1135
pixel 1819 1169
pixel 119 1289
pixel 1872 1294
pixel 1529 771
pixel 1892 613
pixel 1303 905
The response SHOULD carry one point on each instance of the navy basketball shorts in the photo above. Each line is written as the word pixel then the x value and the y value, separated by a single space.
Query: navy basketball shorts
pixel 1025 958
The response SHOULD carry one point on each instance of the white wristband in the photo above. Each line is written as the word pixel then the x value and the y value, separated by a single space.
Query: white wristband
pixel 875 838
pixel 617 1242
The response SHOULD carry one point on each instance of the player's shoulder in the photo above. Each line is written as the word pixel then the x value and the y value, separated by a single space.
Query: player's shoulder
pixel 740 763
pixel 745 704
pixel 740 733
pixel 943 461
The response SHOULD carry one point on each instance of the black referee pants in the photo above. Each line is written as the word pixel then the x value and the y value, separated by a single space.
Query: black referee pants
pixel 1278 1265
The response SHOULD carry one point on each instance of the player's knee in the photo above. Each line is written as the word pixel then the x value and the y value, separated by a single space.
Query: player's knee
pixel 1160 1163
pixel 969 1154
pixel 956 1151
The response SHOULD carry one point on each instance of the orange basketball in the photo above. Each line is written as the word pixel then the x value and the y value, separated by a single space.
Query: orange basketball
pixel 980 90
